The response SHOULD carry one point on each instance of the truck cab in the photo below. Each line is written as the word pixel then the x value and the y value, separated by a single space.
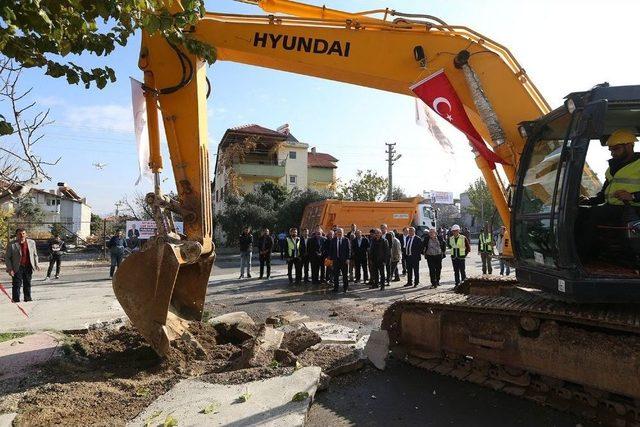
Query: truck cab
pixel 424 218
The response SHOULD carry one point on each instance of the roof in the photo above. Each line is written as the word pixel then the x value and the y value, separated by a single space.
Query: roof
pixel 321 160
pixel 254 129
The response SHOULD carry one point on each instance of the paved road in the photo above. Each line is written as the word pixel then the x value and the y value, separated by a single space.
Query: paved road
pixel 84 295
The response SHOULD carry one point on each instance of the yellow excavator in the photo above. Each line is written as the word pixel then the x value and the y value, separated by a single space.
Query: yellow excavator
pixel 565 333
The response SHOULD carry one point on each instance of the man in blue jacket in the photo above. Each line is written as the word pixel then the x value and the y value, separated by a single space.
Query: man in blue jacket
pixel 340 253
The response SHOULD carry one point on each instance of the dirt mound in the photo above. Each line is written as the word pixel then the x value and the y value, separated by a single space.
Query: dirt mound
pixel 106 376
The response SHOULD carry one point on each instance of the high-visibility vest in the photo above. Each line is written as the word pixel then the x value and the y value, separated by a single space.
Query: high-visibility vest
pixel 458 248
pixel 627 178
pixel 486 242
pixel 293 247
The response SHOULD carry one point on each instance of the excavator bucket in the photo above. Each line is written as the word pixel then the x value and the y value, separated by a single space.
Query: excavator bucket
pixel 160 288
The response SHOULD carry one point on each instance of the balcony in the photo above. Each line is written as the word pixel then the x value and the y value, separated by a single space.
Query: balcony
pixel 257 169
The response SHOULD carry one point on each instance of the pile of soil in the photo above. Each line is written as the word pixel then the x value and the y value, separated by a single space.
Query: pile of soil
pixel 108 376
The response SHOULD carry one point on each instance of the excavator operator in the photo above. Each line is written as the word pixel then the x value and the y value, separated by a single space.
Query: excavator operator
pixel 618 202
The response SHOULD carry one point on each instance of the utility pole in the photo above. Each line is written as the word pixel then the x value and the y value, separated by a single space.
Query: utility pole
pixel 391 152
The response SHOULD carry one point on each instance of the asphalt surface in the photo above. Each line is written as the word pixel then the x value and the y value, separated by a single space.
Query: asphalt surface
pixel 400 395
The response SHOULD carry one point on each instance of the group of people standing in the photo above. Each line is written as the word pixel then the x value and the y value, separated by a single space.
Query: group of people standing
pixel 376 259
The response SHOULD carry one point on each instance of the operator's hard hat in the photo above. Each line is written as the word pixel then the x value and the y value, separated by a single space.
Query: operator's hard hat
pixel 455 227
pixel 621 136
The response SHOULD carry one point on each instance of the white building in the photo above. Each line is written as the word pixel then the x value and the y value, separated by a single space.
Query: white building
pixel 276 156
pixel 62 205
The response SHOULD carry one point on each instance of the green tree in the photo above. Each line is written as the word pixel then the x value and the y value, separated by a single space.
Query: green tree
pixel 27 212
pixel 42 33
pixel 367 186
pixel 96 225
pixel 278 193
pixel 398 193
pixel 254 210
pixel 482 208
pixel 290 212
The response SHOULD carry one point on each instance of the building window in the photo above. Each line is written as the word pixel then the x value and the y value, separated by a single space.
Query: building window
pixel 293 179
pixel 292 155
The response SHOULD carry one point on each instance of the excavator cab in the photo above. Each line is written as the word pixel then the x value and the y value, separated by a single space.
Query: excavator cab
pixel 599 262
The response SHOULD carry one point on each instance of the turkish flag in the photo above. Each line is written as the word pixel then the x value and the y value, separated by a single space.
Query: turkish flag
pixel 438 93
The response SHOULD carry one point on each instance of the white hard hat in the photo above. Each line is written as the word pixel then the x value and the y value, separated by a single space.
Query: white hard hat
pixel 455 227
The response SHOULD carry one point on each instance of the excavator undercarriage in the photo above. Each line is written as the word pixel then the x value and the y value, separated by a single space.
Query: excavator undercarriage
pixel 583 359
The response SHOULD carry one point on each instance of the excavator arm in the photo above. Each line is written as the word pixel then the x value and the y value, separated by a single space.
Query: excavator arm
pixel 360 49
pixel 169 277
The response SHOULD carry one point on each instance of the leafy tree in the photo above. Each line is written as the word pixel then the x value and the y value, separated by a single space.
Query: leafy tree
pixel 254 210
pixel 96 225
pixel 398 193
pixel 290 212
pixel 481 208
pixel 278 193
pixel 27 212
pixel 41 33
pixel 367 186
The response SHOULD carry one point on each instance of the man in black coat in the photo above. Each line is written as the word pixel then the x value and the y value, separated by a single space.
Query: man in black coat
pixel 413 252
pixel 359 251
pixel 328 271
pixel 339 254
pixel 379 252
pixel 314 249
pixel 304 259
pixel 265 246
pixel 403 239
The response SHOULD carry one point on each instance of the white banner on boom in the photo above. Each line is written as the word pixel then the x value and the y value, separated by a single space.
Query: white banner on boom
pixel 142 136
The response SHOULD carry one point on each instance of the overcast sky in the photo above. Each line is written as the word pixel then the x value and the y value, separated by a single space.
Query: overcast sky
pixel 565 46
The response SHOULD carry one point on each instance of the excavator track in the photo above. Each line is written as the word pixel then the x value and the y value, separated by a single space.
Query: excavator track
pixel 583 359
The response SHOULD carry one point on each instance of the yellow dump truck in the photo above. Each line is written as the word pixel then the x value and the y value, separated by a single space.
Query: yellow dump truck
pixel 366 215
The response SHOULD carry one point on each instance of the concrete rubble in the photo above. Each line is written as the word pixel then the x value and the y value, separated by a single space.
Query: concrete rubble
pixel 332 333
pixel 286 318
pixel 377 348
pixel 267 403
pixel 235 327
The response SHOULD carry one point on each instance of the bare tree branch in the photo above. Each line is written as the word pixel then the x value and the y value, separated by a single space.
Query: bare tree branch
pixel 21 168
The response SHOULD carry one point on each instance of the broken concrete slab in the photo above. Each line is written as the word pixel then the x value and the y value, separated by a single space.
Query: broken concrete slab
pixel 6 420
pixel 286 318
pixel 298 338
pixel 266 343
pixel 266 403
pixel 377 348
pixel 272 338
pixel 332 333
pixel 20 354
pixel 235 327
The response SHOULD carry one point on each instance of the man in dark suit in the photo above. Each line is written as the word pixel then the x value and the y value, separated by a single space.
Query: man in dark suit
pixel 304 259
pixel 339 253
pixel 328 270
pixel 265 246
pixel 314 248
pixel 403 239
pixel 379 252
pixel 413 252
pixel 359 250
